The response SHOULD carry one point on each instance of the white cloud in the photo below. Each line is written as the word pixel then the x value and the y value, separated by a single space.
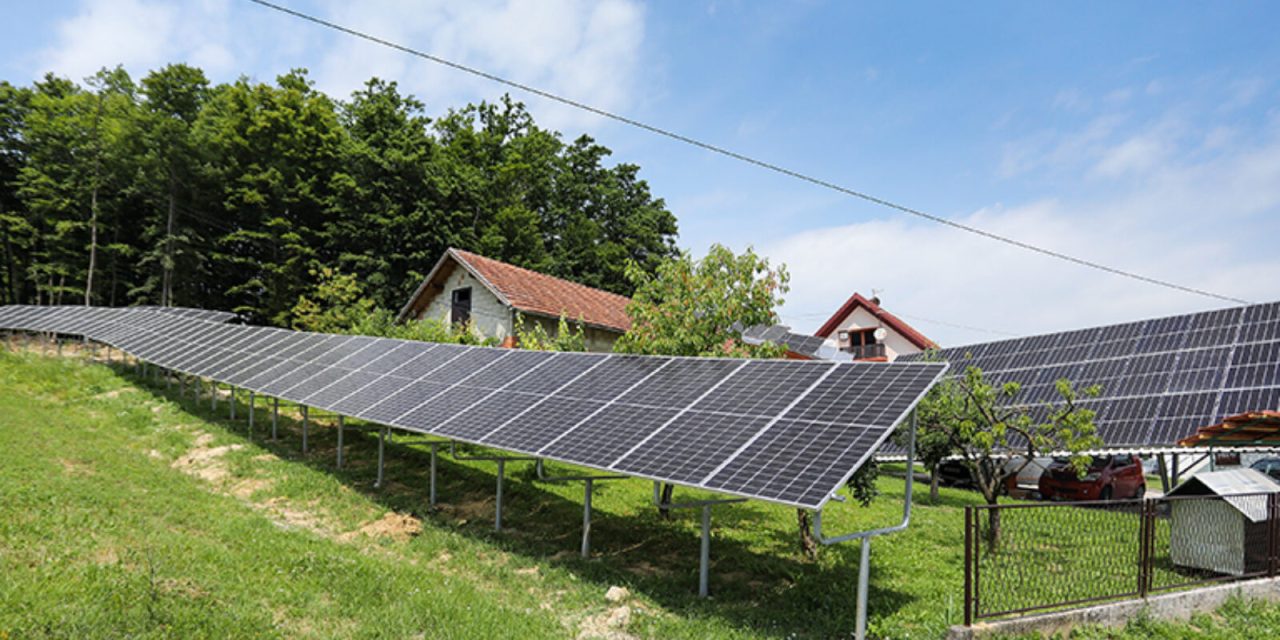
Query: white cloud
pixel 1197 223
pixel 109 32
pixel 587 51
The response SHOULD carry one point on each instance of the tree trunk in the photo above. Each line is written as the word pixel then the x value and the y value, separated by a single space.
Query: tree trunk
pixel 993 529
pixel 93 243
pixel 667 491
pixel 808 545
pixel 166 289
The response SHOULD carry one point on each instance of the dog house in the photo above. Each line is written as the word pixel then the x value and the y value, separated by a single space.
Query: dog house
pixel 1219 522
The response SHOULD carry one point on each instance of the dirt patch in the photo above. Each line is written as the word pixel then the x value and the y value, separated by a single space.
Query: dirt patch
pixel 395 526
pixel 246 488
pixel 105 556
pixel 647 569
pixel 115 393
pixel 206 462
pixel 609 625
pixel 184 587
pixel 76 467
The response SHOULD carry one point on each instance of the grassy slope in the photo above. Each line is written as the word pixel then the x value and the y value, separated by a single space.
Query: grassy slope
pixel 101 535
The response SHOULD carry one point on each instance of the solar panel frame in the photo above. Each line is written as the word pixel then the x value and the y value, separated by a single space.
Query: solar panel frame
pixel 482 394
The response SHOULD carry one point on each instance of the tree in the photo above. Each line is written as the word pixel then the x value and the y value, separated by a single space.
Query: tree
pixel 984 423
pixel 275 150
pixel 172 164
pixel 16 232
pixel 691 308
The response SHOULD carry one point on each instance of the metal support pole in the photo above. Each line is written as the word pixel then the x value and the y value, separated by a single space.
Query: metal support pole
pixel 213 397
pixel 306 423
pixel 497 514
pixel 342 426
pixel 252 397
pixel 704 558
pixel 232 401
pixel 275 417
pixel 864 577
pixel 586 519
pixel 435 447
pixel 182 387
pixel 382 445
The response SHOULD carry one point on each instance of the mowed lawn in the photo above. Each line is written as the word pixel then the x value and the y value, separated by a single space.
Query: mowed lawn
pixel 126 512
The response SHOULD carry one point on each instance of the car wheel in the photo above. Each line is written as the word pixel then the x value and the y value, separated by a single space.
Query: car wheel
pixel 1105 495
pixel 1141 492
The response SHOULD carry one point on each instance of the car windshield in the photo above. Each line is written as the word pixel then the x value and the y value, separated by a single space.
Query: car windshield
pixel 1098 462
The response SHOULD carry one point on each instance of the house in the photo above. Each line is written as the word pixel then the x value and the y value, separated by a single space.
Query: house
pixel 464 287
pixel 862 328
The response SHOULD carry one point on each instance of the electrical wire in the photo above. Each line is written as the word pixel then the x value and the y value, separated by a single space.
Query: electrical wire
pixel 748 159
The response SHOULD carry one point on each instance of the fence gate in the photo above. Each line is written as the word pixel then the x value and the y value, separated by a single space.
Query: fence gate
pixel 1027 557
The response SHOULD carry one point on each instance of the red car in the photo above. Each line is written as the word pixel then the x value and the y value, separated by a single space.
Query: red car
pixel 1108 478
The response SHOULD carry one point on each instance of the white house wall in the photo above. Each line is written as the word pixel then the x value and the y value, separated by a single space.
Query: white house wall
pixel 489 316
pixel 492 319
pixel 597 340
pixel 894 344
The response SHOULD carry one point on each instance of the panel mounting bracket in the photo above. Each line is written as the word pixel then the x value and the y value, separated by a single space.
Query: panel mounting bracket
pixel 864 563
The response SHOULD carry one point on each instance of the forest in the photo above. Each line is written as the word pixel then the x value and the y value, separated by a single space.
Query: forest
pixel 173 190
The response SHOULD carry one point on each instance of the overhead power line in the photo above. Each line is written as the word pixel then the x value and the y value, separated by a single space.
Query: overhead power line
pixel 750 160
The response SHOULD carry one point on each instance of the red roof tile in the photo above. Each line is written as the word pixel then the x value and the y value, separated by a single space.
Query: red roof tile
pixel 856 300
pixel 541 294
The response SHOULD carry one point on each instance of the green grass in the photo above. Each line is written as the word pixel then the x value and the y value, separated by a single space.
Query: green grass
pixel 108 529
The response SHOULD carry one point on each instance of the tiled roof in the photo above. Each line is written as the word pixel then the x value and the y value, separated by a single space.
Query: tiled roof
pixel 897 324
pixel 539 293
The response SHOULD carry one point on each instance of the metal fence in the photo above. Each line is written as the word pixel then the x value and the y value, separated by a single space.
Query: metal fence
pixel 1021 558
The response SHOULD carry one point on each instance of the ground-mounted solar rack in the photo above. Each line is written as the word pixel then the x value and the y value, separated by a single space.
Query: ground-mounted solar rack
pixel 1161 378
pixel 783 431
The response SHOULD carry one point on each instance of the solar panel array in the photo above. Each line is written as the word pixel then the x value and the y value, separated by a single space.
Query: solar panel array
pixel 805 345
pixel 785 431
pixel 188 312
pixel 1161 379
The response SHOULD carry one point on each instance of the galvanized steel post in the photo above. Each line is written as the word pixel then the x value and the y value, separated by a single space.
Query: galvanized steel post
pixel 341 427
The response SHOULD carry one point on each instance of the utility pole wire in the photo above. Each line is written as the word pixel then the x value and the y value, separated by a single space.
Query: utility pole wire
pixel 750 160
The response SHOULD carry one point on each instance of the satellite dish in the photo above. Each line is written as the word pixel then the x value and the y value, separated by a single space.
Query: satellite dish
pixel 880 333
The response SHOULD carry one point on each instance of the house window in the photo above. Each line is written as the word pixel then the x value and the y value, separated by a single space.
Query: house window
pixel 862 343
pixel 461 306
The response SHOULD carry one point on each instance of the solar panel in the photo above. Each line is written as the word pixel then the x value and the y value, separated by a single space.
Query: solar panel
pixel 786 431
pixel 1161 378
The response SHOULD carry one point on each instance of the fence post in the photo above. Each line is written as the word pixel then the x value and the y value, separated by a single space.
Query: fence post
pixel 1273 534
pixel 968 565
pixel 1145 525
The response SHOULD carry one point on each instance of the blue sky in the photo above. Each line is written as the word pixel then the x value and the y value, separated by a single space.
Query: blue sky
pixel 1141 135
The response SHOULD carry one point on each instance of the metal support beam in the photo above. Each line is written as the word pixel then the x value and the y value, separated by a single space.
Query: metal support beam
pixel 213 397
pixel 435 449
pixel 233 403
pixel 252 398
pixel 306 424
pixel 586 518
pixel 382 445
pixel 864 568
pixel 704 558
pixel 497 514
pixel 275 417
pixel 540 467
pixel 342 426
